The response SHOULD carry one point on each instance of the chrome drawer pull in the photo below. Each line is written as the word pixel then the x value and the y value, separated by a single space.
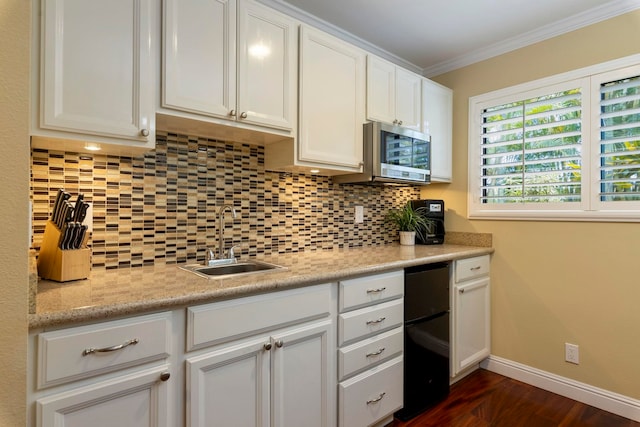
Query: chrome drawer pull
pixel 375 353
pixel 376 291
pixel 377 399
pixel 89 351
pixel 378 320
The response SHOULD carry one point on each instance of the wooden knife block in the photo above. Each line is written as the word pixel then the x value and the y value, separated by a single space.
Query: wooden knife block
pixel 62 265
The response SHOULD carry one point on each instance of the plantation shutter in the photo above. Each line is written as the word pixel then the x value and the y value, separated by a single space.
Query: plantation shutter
pixel 619 164
pixel 531 150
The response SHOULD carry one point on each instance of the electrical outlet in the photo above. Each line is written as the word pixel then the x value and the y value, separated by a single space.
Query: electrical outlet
pixel 359 214
pixel 572 353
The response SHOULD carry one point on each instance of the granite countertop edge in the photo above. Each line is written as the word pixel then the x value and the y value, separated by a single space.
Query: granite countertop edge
pixel 293 277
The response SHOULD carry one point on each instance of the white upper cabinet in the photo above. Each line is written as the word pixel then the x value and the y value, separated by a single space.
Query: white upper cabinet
pixel 230 60
pixel 393 94
pixel 95 79
pixel 332 102
pixel 199 72
pixel 267 67
pixel 437 121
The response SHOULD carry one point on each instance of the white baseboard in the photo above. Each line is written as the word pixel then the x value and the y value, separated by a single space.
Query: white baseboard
pixel 585 393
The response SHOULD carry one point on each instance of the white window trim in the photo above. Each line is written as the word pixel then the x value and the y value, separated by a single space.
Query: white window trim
pixel 590 208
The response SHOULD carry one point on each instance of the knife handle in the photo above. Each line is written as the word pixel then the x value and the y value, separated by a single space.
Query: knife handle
pixel 63 237
pixel 80 236
pixel 56 206
pixel 80 212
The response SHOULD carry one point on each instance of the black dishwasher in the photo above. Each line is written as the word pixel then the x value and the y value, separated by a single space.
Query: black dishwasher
pixel 426 337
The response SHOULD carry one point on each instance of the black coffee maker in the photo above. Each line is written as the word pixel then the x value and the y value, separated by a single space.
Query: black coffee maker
pixel 433 210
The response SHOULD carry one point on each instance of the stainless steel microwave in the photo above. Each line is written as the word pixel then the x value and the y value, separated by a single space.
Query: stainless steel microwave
pixel 392 154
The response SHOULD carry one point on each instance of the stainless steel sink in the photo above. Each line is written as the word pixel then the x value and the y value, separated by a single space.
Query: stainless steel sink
pixel 232 269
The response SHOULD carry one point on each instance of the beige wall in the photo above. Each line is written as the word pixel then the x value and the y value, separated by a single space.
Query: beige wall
pixel 555 282
pixel 14 193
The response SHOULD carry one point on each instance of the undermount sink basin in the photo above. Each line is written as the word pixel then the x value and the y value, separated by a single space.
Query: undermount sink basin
pixel 231 269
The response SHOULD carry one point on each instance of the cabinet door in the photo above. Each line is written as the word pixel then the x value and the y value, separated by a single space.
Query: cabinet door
pixel 96 67
pixel 408 90
pixel 138 400
pixel 199 68
pixel 230 387
pixel 332 100
pixel 437 121
pixel 381 90
pixel 471 334
pixel 304 376
pixel 267 67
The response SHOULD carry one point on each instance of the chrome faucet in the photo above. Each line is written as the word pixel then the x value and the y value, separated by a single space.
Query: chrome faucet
pixel 221 230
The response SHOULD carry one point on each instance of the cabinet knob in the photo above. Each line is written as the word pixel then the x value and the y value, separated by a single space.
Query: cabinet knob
pixel 461 291
pixel 165 376
pixel 232 113
pixel 279 343
pixel 144 132
pixel 400 122
pixel 243 115
pixel 267 346
pixel 395 121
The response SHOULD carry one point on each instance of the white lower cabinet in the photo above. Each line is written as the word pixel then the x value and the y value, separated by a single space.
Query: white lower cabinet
pixel 471 332
pixel 371 396
pixel 302 372
pixel 370 336
pixel 115 373
pixel 283 376
pixel 278 380
pixel 229 387
pixel 134 400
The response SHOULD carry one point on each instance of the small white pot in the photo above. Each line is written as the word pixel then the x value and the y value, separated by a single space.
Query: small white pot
pixel 408 238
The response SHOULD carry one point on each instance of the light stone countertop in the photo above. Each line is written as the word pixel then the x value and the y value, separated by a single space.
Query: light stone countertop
pixel 129 291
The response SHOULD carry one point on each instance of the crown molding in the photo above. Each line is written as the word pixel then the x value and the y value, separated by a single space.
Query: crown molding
pixel 307 18
pixel 589 17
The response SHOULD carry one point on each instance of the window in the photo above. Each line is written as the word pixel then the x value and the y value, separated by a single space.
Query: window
pixel 566 147
pixel 619 154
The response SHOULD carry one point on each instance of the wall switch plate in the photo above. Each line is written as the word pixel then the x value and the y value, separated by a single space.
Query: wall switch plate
pixel 359 214
pixel 572 353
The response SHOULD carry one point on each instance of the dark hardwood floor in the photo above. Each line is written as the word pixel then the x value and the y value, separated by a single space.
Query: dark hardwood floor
pixel 488 399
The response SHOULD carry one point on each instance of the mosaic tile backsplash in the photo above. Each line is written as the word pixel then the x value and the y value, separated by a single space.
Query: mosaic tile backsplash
pixel 162 207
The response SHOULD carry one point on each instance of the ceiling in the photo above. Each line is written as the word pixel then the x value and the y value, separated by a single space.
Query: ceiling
pixel 440 35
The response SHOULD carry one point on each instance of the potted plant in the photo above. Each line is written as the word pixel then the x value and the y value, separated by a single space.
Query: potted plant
pixel 410 222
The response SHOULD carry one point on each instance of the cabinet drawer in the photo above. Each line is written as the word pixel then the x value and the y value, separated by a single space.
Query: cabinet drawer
pixel 369 352
pixel 371 396
pixel 81 352
pixel 369 320
pixel 472 267
pixel 369 290
pixel 224 321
